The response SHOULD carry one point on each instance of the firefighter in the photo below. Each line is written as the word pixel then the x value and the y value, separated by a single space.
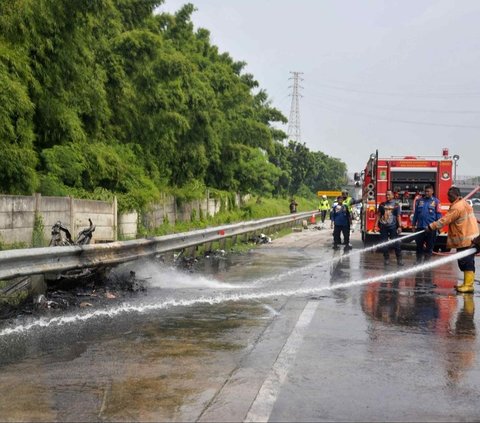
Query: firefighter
pixel 388 221
pixel 348 202
pixel 341 220
pixel 427 210
pixel 462 235
pixel 323 207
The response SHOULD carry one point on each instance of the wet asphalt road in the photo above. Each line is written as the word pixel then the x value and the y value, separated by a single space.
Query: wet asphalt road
pixel 260 336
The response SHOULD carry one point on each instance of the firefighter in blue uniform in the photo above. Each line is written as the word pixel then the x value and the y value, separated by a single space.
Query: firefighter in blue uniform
pixel 427 210
pixel 341 221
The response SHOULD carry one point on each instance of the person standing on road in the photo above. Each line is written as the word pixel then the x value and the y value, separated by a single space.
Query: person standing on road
pixel 341 221
pixel 348 201
pixel 462 234
pixel 427 210
pixel 293 206
pixel 388 221
pixel 323 207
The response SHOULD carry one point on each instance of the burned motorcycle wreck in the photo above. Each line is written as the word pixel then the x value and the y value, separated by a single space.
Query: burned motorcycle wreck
pixel 61 236
pixel 84 236
pixel 88 287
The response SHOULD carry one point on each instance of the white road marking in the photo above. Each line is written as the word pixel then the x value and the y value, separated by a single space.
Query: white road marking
pixel 262 406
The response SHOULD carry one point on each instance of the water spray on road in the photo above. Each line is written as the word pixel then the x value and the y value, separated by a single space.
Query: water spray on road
pixel 222 298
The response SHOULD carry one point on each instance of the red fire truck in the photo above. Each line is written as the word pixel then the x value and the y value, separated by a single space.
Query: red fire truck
pixel 406 177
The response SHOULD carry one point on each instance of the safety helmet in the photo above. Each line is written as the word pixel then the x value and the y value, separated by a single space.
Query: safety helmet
pixel 324 196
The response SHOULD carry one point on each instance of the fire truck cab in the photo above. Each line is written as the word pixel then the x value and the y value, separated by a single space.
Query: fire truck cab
pixel 407 177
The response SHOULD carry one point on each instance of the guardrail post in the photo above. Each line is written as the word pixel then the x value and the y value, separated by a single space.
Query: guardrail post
pixel 221 243
pixel 207 246
pixel 192 251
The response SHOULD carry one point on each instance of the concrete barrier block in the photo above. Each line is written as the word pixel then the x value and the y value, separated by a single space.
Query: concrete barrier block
pixel 23 204
pixel 103 234
pixel 92 206
pixel 6 220
pixel 127 225
pixel 55 204
pixel 5 203
pixel 204 207
pixel 10 236
pixel 10 203
pixel 128 231
pixel 25 219
pixel 127 218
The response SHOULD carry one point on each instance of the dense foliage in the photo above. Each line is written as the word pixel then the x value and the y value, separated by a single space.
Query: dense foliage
pixel 103 97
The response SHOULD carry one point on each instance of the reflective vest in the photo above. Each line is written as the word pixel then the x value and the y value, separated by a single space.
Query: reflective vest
pixel 324 205
pixel 347 202
pixel 462 224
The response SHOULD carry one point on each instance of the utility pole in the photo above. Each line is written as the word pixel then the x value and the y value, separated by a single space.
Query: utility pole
pixel 294 120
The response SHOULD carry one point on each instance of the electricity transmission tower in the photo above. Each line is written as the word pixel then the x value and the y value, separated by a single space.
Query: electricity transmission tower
pixel 294 120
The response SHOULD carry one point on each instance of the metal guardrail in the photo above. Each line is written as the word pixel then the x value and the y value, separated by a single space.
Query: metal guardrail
pixel 32 261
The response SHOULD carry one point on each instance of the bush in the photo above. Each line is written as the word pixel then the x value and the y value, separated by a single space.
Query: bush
pixel 38 238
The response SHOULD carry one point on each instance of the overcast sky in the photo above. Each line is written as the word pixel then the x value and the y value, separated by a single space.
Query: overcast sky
pixel 400 76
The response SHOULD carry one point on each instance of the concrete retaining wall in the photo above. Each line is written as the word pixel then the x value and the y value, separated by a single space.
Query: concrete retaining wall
pixel 171 211
pixel 127 225
pixel 17 217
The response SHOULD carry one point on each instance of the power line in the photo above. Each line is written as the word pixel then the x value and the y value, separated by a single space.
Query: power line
pixel 413 122
pixel 397 108
pixel 403 94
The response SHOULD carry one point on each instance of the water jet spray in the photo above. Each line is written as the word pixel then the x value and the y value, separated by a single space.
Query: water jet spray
pixel 218 299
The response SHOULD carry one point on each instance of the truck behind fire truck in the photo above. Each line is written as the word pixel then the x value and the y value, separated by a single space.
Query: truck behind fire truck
pixel 406 177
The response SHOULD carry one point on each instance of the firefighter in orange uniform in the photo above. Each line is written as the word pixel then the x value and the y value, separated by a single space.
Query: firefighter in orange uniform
pixel 462 235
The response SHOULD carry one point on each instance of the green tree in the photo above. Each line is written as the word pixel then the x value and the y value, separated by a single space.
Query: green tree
pixel 18 158
pixel 104 97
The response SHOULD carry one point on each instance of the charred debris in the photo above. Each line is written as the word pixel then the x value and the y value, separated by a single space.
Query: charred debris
pixel 90 287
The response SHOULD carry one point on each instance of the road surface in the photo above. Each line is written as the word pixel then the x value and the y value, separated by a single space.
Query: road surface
pixel 278 334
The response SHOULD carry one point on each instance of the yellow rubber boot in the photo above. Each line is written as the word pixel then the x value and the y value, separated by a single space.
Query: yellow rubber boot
pixel 468 280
